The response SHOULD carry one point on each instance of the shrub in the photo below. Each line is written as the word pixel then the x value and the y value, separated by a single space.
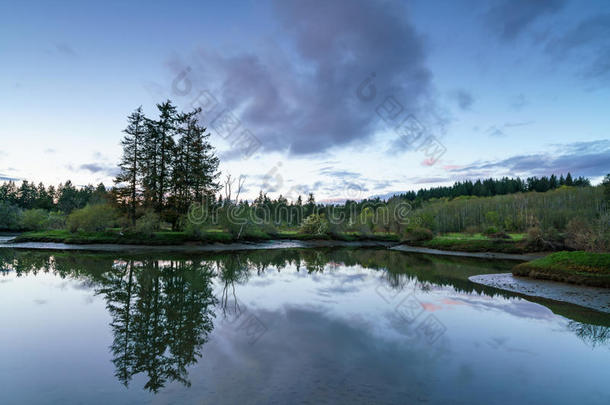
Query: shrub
pixel 471 230
pixel 418 234
pixel 194 230
pixel 56 220
pixel 148 223
pixel 490 231
pixel 10 217
pixel 315 224
pixel 34 219
pixel 92 218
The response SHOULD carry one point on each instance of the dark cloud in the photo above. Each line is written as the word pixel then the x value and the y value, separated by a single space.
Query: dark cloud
pixel 510 18
pixel 590 159
pixel 464 99
pixel 588 41
pixel 301 96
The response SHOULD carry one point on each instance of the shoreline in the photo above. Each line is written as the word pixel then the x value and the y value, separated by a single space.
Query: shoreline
pixel 596 298
pixel 192 248
pixel 479 255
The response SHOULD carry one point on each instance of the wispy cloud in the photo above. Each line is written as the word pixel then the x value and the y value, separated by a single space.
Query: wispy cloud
pixel 590 159
pixel 509 19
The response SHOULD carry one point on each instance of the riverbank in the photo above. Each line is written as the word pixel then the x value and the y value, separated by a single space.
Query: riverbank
pixel 596 298
pixel 461 242
pixel 585 268
pixel 195 248
pixel 480 255
pixel 182 238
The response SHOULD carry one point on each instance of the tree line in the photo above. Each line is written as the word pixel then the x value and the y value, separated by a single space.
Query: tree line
pixel 491 187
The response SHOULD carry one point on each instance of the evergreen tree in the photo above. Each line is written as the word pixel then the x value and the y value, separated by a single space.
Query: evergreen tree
pixel 128 179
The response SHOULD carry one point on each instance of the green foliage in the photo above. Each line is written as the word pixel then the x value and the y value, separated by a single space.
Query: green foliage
pixel 148 223
pixel 518 212
pixel 492 218
pixel 606 186
pixel 10 216
pixel 34 219
pixel 418 234
pixel 92 218
pixel 490 230
pixel 56 220
pixel 315 224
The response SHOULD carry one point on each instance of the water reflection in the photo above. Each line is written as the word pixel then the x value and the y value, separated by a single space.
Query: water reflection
pixel 163 307
pixel 161 317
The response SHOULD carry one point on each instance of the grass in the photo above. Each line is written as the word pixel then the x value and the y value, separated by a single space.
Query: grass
pixel 573 267
pixel 476 243
pixel 478 236
pixel 115 236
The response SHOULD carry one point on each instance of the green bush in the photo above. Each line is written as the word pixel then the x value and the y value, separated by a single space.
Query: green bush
pixel 10 217
pixel 34 219
pixel 148 223
pixel 490 230
pixel 418 234
pixel 315 224
pixel 92 218
pixel 56 220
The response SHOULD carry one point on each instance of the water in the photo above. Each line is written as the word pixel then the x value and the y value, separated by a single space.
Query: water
pixel 287 326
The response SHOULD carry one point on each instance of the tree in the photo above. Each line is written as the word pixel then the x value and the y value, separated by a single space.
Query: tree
pixel 130 166
pixel 606 184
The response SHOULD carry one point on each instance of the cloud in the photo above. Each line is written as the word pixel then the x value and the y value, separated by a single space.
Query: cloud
pixel 300 95
pixel 510 18
pixel 464 99
pixel 518 102
pixel 500 131
pixel 109 170
pixel 66 50
pixel 4 177
pixel 589 159
pixel 329 171
pixel 589 42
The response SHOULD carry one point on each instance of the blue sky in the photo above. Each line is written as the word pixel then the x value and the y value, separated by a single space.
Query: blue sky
pixel 504 87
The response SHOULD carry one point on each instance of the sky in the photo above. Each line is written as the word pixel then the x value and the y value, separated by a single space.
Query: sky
pixel 343 98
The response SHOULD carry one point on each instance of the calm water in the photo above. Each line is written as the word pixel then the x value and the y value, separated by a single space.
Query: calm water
pixel 287 326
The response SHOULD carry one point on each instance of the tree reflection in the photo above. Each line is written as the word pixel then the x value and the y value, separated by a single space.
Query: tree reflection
pixel 593 335
pixel 161 318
